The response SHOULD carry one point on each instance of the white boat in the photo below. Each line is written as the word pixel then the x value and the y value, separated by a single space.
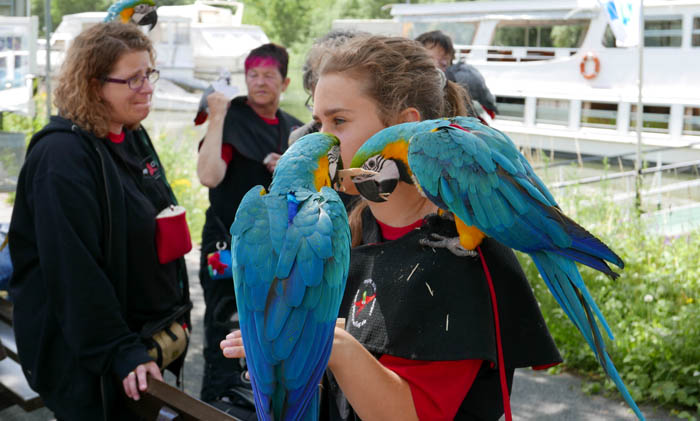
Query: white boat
pixel 17 63
pixel 214 35
pixel 560 82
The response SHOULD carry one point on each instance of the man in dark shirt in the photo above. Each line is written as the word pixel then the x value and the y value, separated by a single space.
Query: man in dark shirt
pixel 243 142
pixel 440 48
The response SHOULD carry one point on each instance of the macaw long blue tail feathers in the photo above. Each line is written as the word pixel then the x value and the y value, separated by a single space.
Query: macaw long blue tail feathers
pixel 564 281
pixel 615 376
pixel 588 243
pixel 589 260
pixel 564 273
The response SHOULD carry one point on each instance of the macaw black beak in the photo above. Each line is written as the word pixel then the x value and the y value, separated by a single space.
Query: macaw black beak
pixel 376 191
pixel 149 18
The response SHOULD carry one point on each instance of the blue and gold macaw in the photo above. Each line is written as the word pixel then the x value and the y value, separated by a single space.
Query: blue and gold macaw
pixel 478 174
pixel 140 12
pixel 290 257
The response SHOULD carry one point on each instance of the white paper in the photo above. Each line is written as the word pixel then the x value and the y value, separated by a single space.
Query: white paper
pixel 221 86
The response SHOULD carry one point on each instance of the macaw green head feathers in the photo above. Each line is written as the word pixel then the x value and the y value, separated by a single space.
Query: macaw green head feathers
pixel 140 12
pixel 386 153
pixel 313 161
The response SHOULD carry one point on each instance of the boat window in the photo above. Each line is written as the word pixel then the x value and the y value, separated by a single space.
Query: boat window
pixel 531 33
pixel 696 32
pixel 462 33
pixel 510 108
pixel 4 84
pixel 180 32
pixel 663 31
pixel 691 120
pixel 609 40
pixel 552 111
pixel 598 114
pixel 655 118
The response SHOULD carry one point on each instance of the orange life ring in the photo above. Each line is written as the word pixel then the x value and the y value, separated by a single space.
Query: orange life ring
pixel 590 56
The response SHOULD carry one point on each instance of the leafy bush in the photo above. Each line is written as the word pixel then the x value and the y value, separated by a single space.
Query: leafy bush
pixel 22 124
pixel 652 308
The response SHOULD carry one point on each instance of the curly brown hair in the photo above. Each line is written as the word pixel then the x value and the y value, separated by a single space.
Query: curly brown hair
pixel 91 57
pixel 397 73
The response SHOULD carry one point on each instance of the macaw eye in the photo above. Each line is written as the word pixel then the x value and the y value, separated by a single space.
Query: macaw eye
pixel 140 8
pixel 386 168
pixel 333 161
pixel 372 164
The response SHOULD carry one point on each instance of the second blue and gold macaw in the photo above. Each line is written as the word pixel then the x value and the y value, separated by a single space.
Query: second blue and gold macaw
pixel 140 12
pixel 290 256
pixel 478 174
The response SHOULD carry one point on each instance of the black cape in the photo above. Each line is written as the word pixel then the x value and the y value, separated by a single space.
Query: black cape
pixel 256 141
pixel 413 302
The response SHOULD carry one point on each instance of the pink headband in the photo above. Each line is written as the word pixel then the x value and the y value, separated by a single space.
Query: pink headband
pixel 252 62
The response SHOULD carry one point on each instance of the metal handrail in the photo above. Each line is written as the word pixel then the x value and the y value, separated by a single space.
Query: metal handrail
pixel 632 173
pixel 600 158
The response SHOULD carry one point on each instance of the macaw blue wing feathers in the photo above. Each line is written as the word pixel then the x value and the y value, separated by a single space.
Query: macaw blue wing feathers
pixel 291 250
pixel 478 174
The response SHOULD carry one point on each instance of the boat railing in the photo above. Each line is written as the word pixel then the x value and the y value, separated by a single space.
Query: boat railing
pixel 624 156
pixel 623 174
pixel 671 204
pixel 510 53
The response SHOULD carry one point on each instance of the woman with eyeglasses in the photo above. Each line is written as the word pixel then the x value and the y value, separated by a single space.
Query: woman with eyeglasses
pixel 90 286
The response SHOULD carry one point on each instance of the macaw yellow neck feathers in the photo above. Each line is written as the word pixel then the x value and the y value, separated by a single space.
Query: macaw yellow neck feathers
pixel 126 14
pixel 469 237
pixel 398 150
pixel 321 175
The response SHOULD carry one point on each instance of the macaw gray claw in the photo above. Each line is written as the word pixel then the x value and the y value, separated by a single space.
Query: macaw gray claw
pixel 450 243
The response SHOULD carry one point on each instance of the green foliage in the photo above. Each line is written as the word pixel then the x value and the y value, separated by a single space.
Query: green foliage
pixel 652 308
pixel 365 9
pixel 294 97
pixel 28 125
pixel 65 7
pixel 284 21
pixel 295 23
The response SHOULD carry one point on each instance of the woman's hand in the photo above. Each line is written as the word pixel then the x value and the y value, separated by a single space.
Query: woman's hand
pixel 139 374
pixel 379 394
pixel 270 161
pixel 218 104
pixel 232 346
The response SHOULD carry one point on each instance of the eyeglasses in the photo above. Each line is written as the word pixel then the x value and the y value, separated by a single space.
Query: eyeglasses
pixel 309 104
pixel 135 83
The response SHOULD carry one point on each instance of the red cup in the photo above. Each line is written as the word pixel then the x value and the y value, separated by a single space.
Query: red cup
pixel 172 234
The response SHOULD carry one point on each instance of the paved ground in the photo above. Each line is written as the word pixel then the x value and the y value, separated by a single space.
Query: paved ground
pixel 536 396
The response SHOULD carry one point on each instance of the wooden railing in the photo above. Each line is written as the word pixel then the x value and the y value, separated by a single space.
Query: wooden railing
pixel 160 402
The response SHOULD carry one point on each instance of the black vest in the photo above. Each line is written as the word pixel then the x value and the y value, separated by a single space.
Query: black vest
pixel 415 302
pixel 252 139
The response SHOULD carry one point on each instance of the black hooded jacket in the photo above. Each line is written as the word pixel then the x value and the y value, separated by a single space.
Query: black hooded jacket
pixel 76 313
